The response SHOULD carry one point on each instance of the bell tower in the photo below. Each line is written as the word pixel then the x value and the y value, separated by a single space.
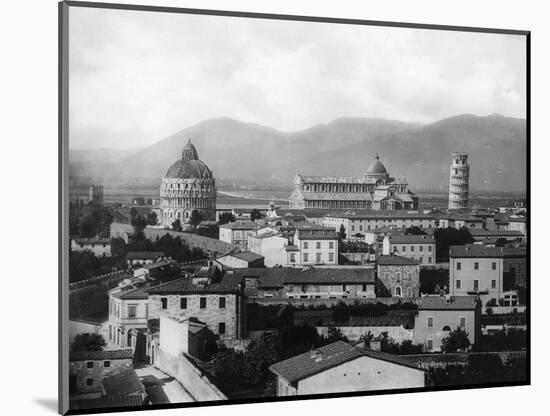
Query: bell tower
pixel 459 181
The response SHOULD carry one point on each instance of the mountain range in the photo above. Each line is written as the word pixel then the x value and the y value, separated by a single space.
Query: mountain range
pixel 238 151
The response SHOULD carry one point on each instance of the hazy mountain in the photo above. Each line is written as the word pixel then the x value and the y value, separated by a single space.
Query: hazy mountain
pixel 346 146
pixel 102 154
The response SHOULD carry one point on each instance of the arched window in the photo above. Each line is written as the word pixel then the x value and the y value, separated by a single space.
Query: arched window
pixel 446 328
pixel 398 291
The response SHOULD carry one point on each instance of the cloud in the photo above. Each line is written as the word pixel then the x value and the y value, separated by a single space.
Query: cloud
pixel 136 77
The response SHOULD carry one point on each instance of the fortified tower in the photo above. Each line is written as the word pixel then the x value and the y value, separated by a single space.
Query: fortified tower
pixel 459 181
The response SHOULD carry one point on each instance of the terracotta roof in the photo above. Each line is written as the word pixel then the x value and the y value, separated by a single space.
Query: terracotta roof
pixel 135 293
pixel 395 261
pixel 126 354
pixel 280 276
pixel 229 283
pixel 411 239
pixel 481 250
pixel 389 319
pixel 291 248
pixel 248 256
pixel 303 366
pixel 144 255
pixel 108 401
pixel 241 225
pixel 479 232
pixel 316 234
pixel 454 303
pixel 122 384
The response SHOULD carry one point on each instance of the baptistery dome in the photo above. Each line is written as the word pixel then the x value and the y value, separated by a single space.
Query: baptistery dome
pixel 188 185
pixel 377 168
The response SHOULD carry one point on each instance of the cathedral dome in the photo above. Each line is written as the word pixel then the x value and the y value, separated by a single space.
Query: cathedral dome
pixel 189 166
pixel 377 168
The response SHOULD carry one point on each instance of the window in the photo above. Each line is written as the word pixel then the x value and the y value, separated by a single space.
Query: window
pixel 318 257
pixel 164 303
pixel 146 311
pixel 221 328
pixel 493 284
pixel 494 265
pixel 364 287
pixel 476 284
pixel 106 364
pixel 412 249
pixel 305 244
pixel 398 291
pixel 293 257
pixel 429 259
pixel 132 310
pixel 404 248
pixel 183 303
pixel 90 364
pixel 343 288
pixel 458 284
pixel 222 302
pixel 430 344
pixel 203 303
pixel 421 247
pixel 318 244
pixel 331 257
pixel 306 257
pixel 462 322
pixel 430 321
pixel 398 276
pixel 429 248
pixel 476 265
pixel 89 381
pixel 458 265
pixel 331 244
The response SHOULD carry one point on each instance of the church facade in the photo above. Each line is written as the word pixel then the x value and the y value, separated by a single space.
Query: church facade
pixel 188 185
pixel 375 190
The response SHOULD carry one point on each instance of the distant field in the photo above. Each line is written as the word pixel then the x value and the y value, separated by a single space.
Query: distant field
pixel 245 198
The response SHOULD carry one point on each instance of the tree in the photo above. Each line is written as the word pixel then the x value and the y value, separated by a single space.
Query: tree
pixel 255 215
pixel 457 340
pixel 195 218
pixel 88 342
pixel 414 230
pixel 176 225
pixel 139 223
pixel 433 280
pixel 446 237
pixel 152 218
pixel 225 218
pixel 133 212
pixel 342 233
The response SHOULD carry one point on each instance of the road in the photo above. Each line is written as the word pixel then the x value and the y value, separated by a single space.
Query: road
pixel 160 387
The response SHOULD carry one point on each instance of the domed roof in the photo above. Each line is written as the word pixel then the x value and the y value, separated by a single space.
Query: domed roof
pixel 189 166
pixel 377 168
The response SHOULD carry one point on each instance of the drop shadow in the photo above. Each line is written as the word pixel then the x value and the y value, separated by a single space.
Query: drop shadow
pixel 48 404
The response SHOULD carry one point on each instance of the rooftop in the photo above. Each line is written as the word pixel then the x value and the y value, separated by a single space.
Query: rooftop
pixel 240 225
pixel 448 303
pixel 230 282
pixel 248 256
pixel 369 214
pixel 107 402
pixel 306 365
pixel 304 234
pixel 481 250
pixel 92 240
pixel 280 276
pixel 126 354
pixel 133 293
pixel 396 261
pixel 411 239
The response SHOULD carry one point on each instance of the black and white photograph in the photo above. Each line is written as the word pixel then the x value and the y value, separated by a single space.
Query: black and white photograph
pixel 271 208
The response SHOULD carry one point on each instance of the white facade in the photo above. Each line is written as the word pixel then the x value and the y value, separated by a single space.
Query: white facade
pixel 417 248
pixel 272 247
pixel 483 276
pixel 100 247
pixel 313 251
pixel 363 224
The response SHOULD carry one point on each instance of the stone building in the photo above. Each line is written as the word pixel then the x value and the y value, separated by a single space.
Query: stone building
pixel 237 232
pixel 397 277
pixel 342 367
pixel 374 190
pixel 95 194
pixel 459 181
pixel 128 310
pixel 210 295
pixel 188 185
pixel 417 247
pixel 357 222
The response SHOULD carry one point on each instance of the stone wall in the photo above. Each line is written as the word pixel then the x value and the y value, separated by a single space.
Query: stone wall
pixel 97 373
pixel 398 280
pixel 190 376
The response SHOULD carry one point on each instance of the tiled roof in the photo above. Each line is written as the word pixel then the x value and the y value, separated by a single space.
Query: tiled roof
pixel 124 354
pixel 304 365
pixel 144 255
pixel 389 319
pixel 280 276
pixel 480 232
pixel 139 293
pixel 454 303
pixel 396 261
pixel 108 401
pixel 291 248
pixel 411 239
pixel 229 283
pixel 92 240
pixel 481 250
pixel 337 196
pixel 247 256
pixel 316 234
pixel 241 225
pixel 122 384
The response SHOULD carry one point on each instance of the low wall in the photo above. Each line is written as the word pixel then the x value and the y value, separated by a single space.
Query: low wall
pixel 428 361
pixel 190 376
pixel 329 302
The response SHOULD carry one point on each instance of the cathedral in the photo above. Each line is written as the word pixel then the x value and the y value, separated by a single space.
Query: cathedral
pixel 187 186
pixel 374 190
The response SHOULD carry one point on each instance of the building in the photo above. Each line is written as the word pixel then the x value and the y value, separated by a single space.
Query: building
pixel 357 222
pixel 128 310
pixel 142 258
pixel 101 247
pixel 241 260
pixel 313 283
pixel 486 272
pixel 417 247
pixel 397 277
pixel 314 247
pixel 237 232
pixel 188 186
pixel 481 235
pixel 80 326
pixel 439 315
pixel 459 181
pixel 87 369
pixel 374 190
pixel 272 246
pixel 95 194
pixel 210 295
pixel 341 367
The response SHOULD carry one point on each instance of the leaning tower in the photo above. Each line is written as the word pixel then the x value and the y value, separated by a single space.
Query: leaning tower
pixel 459 181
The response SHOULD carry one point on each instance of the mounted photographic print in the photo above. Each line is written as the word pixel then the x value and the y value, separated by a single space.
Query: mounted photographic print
pixel 264 208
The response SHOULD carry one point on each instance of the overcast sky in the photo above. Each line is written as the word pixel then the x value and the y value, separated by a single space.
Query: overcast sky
pixel 137 77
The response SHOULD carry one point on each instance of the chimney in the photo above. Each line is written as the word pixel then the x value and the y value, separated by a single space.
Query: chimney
pixel 375 345
pixel 318 356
